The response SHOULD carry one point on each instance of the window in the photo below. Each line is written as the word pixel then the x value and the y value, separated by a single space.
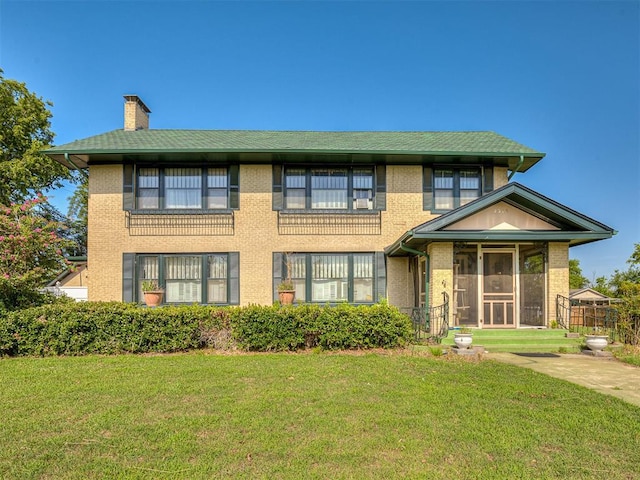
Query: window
pixel 333 277
pixel 148 188
pixel 187 188
pixel 183 279
pixel 190 278
pixel 329 188
pixel 449 188
pixel 296 185
pixel 217 183
pixel 183 188
pixel 217 279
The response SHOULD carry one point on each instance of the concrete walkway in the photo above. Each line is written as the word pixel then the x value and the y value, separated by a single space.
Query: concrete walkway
pixel 603 374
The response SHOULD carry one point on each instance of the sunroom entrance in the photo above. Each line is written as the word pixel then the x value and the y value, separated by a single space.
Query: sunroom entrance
pixel 499 286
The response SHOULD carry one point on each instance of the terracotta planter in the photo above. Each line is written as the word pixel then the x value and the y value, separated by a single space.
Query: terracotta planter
pixel 463 340
pixel 153 298
pixel 596 343
pixel 287 296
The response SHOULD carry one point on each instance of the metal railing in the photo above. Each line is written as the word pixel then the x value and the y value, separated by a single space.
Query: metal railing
pixel 329 222
pixel 585 318
pixel 430 324
pixel 180 222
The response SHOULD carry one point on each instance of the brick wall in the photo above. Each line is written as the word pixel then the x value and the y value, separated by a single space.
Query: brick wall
pixel 441 259
pixel 256 236
pixel 558 278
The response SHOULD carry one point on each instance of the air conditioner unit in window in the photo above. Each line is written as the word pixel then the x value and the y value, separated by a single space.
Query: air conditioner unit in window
pixel 362 204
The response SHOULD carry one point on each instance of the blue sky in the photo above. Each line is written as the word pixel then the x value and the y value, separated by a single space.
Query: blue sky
pixel 560 77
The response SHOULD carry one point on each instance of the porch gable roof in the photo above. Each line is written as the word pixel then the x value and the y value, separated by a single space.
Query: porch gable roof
pixel 564 224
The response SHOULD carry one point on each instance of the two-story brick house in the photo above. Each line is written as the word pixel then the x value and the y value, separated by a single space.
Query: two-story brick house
pixel 221 217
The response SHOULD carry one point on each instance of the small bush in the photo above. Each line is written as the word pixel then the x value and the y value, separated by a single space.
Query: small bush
pixel 113 327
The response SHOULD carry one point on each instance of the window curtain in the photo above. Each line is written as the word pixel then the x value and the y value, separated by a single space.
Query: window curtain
pixel 443 185
pixel 363 179
pixel 183 276
pixel 148 271
pixel 469 186
pixel 217 281
pixel 217 188
pixel 296 182
pixel 329 189
pixel 363 266
pixel 148 187
pixel 183 187
pixel 330 278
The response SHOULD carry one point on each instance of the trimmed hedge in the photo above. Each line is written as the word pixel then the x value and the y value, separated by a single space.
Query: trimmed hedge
pixel 114 327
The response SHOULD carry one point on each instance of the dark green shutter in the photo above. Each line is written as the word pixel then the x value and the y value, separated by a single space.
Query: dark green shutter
pixel 381 187
pixel 427 188
pixel 127 188
pixel 277 194
pixel 381 276
pixel 488 180
pixel 234 186
pixel 128 277
pixel 277 273
pixel 234 278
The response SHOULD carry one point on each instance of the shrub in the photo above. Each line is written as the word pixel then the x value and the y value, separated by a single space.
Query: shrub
pixel 268 328
pixel 113 327
pixel 628 324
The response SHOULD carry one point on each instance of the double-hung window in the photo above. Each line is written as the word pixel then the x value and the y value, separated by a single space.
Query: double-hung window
pixel 189 278
pixel 328 188
pixel 334 277
pixel 183 188
pixel 449 188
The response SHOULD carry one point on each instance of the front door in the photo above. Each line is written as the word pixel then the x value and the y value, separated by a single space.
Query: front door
pixel 498 288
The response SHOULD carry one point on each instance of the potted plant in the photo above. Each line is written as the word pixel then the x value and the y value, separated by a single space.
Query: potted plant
pixel 463 338
pixel 286 292
pixel 286 289
pixel 596 341
pixel 152 293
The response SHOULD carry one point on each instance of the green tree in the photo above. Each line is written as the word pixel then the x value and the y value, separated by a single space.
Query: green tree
pixel 576 279
pixel 624 281
pixel 30 253
pixel 25 130
pixel 602 285
pixel 77 217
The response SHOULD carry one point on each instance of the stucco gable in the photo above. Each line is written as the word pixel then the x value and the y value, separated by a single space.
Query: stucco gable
pixel 501 216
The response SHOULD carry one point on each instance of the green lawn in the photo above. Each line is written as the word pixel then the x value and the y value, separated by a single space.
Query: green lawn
pixel 295 416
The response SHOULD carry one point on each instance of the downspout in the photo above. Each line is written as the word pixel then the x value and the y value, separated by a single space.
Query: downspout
pixel 515 170
pixel 426 271
pixel 68 159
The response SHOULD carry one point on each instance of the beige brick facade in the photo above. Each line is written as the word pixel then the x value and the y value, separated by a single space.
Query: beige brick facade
pixel 441 281
pixel 256 237
pixel 558 276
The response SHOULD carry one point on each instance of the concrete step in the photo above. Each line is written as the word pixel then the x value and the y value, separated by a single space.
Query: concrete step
pixel 525 340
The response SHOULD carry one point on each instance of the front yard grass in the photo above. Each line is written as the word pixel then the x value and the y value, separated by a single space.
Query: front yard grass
pixel 629 354
pixel 272 416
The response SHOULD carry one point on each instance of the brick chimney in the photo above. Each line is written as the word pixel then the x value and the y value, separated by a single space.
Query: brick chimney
pixel 136 113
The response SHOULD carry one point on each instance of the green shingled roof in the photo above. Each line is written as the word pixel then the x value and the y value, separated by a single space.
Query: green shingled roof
pixel 425 143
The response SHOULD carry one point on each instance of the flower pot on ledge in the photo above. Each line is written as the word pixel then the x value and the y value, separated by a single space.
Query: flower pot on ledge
pixel 153 298
pixel 287 296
